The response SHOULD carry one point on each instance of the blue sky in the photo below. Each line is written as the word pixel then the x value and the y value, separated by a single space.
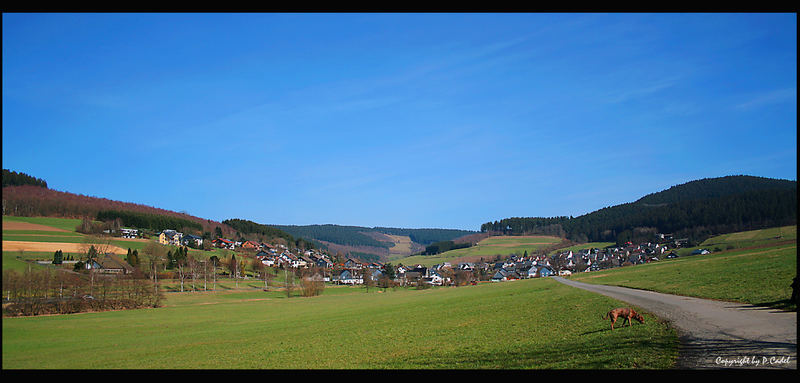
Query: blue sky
pixel 401 120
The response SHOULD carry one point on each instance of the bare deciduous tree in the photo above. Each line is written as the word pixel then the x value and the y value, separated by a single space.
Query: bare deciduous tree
pixel 289 276
pixel 156 254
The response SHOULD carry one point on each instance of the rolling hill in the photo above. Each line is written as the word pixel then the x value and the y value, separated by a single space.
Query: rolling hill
pixel 375 243
pixel 694 210
pixel 33 201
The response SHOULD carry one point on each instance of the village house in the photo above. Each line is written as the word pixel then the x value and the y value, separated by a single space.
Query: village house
pixel 170 237
pixel 322 262
pixel 223 243
pixel 410 278
pixel 436 279
pixel 346 277
pixel 400 269
pixel 545 271
pixel 192 240
pixel 352 264
pixel 375 274
pixel 110 264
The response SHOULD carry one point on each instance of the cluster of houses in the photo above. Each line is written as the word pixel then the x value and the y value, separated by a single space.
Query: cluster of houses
pixel 352 271
pixel 616 256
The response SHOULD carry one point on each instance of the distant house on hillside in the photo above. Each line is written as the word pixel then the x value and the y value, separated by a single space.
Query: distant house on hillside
pixel 263 254
pixel 268 261
pixel 352 264
pixel 111 264
pixel 322 262
pixel 223 243
pixel 193 240
pixel 170 237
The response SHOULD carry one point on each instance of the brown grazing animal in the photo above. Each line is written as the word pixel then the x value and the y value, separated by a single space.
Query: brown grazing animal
pixel 624 312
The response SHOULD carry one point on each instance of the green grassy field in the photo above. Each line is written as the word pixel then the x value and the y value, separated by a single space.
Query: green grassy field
pixel 759 276
pixel 529 324
pixel 20 261
pixel 752 238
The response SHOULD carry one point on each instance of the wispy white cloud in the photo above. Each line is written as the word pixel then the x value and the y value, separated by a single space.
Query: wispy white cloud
pixel 643 90
pixel 774 96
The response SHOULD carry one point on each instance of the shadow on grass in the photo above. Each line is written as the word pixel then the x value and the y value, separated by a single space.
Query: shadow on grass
pixel 783 305
pixel 617 327
pixel 606 352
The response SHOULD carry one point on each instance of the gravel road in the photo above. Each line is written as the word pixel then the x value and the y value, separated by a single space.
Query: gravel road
pixel 715 334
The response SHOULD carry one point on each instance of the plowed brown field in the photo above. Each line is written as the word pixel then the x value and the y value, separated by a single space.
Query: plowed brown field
pixel 53 246
pixel 16 225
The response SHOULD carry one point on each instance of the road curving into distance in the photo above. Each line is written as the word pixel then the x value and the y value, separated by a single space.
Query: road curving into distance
pixel 715 334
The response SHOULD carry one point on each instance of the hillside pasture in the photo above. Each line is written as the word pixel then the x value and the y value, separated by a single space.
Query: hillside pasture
pixel 487 249
pixel 522 240
pixel 752 237
pixel 402 244
pixel 760 276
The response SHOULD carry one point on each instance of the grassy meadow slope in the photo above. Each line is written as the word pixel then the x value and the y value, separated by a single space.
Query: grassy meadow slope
pixel 487 249
pixel 758 270
pixel 529 324
pixel 27 239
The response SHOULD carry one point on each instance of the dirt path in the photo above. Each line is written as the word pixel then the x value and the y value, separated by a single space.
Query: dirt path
pixel 715 334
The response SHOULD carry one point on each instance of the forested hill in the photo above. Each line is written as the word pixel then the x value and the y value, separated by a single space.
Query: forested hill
pixel 12 178
pixel 693 210
pixel 708 188
pixel 361 236
pixel 29 196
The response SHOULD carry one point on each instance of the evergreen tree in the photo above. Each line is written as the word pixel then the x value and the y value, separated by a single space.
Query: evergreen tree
pixel 58 257
pixel 133 258
pixel 234 267
pixel 92 253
